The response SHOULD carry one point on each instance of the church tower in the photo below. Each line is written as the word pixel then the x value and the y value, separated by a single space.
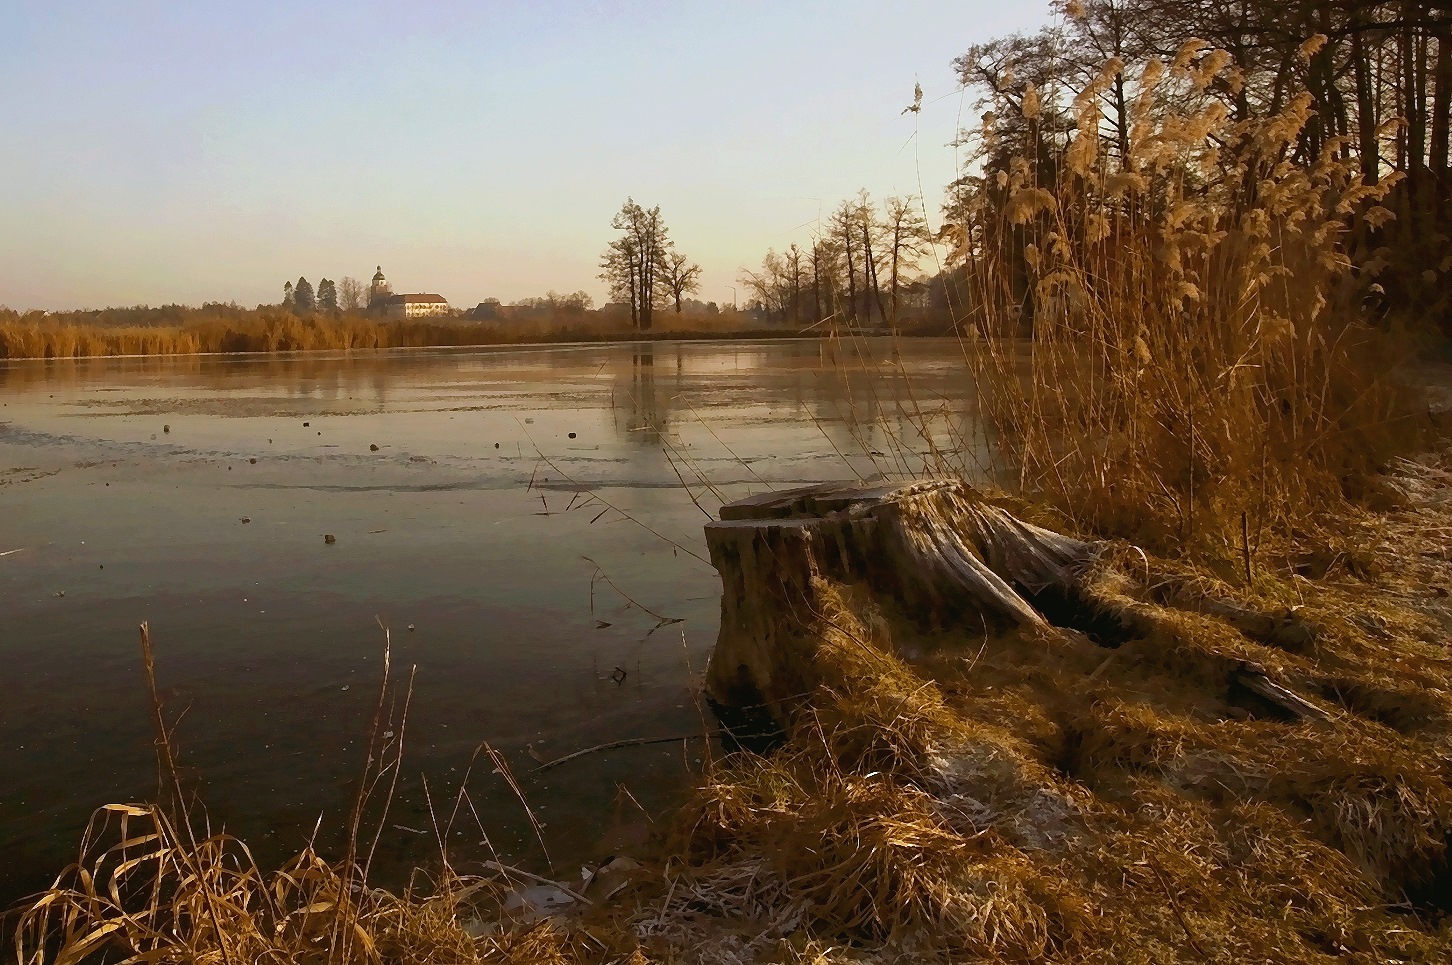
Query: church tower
pixel 379 290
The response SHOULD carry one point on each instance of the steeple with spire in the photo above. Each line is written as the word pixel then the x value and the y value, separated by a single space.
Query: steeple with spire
pixel 379 290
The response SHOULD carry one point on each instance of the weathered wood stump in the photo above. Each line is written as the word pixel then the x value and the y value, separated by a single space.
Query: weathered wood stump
pixel 939 550
pixel 941 555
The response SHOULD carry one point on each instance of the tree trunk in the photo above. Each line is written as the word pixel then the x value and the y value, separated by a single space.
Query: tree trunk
pixel 870 285
pixel 1442 107
pixel 816 286
pixel 1366 117
pixel 1416 135
pixel 634 298
pixel 892 293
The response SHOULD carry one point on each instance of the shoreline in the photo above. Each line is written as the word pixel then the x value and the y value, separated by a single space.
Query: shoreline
pixel 742 335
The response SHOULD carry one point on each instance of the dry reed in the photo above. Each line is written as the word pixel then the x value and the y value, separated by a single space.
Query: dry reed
pixel 1196 347
pixel 276 330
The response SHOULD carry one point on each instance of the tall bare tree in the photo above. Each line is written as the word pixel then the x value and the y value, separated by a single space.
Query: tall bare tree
pixel 680 275
pixel 632 264
pixel 351 293
pixel 905 234
pixel 843 226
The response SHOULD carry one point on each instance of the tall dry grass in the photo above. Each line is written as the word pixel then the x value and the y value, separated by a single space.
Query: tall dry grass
pixel 1195 346
pixel 33 336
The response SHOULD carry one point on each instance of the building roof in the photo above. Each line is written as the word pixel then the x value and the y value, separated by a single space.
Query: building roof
pixel 379 275
pixel 416 299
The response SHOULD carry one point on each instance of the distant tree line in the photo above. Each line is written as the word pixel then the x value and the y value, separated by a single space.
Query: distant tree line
pixel 861 266
pixel 303 299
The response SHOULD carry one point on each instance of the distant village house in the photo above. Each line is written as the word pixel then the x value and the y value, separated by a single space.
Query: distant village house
pixel 382 301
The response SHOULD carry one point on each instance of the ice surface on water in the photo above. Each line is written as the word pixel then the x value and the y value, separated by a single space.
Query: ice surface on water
pixel 477 520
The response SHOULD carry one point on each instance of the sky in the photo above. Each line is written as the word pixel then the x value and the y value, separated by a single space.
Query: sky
pixel 159 152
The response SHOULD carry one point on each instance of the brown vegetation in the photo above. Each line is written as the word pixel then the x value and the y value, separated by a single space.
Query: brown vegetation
pixel 1201 361
pixel 188 331
pixel 1111 782
pixel 948 790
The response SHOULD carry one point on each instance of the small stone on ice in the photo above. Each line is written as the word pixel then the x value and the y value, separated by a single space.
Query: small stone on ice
pixel 345 686
pixel 373 448
pixel 246 519
pixel 410 626
pixel 330 539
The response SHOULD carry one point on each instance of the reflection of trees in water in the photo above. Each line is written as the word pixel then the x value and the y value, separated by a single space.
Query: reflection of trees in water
pixel 646 404
pixel 328 377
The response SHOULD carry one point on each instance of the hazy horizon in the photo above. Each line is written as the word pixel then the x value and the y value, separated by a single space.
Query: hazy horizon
pixel 179 153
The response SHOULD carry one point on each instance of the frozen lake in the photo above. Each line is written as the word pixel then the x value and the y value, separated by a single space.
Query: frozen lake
pixel 504 483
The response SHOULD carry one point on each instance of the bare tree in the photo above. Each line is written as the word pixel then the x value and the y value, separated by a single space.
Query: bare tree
pixel 843 228
pixel 632 264
pixel 680 275
pixel 770 288
pixel 905 233
pixel 825 261
pixel 350 294
pixel 870 229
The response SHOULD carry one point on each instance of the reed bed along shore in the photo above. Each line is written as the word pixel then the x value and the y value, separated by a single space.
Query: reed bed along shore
pixel 265 331
pixel 1203 358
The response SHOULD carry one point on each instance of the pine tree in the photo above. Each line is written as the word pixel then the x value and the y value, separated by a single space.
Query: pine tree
pixel 303 301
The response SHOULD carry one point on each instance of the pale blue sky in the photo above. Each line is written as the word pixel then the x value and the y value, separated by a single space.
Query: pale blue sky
pixel 159 152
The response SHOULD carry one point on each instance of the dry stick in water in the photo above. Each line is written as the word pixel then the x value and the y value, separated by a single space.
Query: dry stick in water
pixel 168 758
pixel 628 742
pixel 501 767
pixel 600 574
pixel 608 505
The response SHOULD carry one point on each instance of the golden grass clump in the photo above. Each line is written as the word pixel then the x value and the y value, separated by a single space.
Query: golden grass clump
pixel 847 825
pixel 163 896
pixel 1197 349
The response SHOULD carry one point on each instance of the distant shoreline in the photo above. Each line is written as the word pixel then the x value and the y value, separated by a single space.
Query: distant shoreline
pixel 553 339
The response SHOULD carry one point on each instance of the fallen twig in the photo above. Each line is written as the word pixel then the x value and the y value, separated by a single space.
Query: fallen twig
pixel 629 742
pixel 508 870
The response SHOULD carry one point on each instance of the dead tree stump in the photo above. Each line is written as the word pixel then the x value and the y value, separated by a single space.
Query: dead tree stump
pixel 939 550
pixel 941 553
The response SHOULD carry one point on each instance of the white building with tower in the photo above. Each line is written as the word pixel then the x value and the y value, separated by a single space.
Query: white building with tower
pixel 382 301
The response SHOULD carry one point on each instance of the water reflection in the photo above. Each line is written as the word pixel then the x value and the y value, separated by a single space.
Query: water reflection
pixel 647 407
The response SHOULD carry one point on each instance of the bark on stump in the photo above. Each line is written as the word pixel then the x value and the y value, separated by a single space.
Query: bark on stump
pixel 945 556
pixel 936 548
